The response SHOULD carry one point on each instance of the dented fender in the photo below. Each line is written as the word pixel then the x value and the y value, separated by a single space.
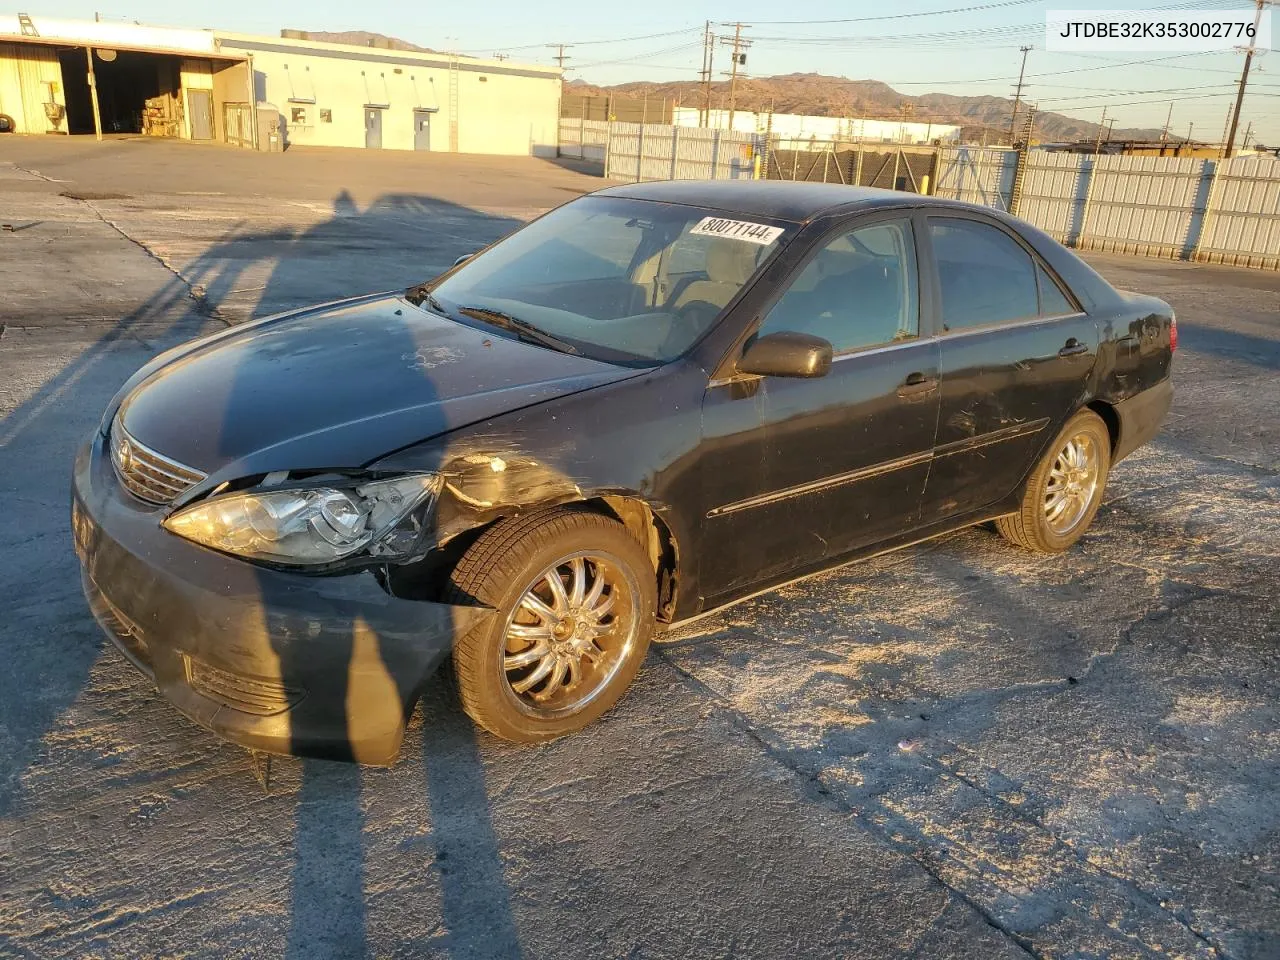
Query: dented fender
pixel 566 451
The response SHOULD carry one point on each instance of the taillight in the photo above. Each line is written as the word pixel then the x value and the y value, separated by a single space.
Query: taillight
pixel 1173 332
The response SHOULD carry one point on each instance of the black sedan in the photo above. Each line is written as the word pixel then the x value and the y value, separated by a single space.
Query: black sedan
pixel 646 404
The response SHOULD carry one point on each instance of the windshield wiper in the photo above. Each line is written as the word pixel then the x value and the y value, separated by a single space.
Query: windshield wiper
pixel 520 327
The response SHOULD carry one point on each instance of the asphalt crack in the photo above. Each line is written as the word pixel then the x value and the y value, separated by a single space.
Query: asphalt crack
pixel 204 306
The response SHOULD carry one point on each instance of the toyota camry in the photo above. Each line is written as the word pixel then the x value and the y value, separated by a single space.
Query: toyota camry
pixel 648 403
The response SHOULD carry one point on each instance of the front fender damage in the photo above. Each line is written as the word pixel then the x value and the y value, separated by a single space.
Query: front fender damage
pixel 491 478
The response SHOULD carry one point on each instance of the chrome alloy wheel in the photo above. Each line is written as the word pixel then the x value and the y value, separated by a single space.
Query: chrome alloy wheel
pixel 571 631
pixel 1072 484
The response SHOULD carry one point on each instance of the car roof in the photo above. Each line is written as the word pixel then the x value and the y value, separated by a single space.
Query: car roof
pixel 776 199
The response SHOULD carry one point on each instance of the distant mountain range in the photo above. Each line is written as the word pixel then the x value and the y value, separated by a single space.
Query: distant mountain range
pixel 357 38
pixel 818 95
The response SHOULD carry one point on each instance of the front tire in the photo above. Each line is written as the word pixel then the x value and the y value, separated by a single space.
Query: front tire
pixel 576 600
pixel 1065 490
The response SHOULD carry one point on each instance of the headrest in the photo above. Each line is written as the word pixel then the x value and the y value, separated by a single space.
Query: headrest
pixel 730 261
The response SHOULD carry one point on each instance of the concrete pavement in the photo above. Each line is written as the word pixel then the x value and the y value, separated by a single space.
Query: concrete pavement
pixel 958 750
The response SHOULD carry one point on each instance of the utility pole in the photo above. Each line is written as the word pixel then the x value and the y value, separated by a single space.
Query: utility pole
pixel 708 54
pixel 1244 78
pixel 1017 94
pixel 560 56
pixel 739 59
pixel 1164 134
pixel 1097 146
pixel 1244 144
pixel 1226 127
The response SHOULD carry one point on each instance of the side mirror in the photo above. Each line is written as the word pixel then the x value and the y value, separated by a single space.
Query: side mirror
pixel 463 259
pixel 787 355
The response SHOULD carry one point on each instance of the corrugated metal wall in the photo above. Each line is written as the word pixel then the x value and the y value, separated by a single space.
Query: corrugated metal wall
pixel 1243 223
pixel 977 175
pixel 1145 205
pixel 25 69
pixel 1053 192
pixel 651 152
pixel 1177 207
pixel 583 139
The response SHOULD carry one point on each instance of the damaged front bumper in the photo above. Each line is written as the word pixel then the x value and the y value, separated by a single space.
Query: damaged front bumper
pixel 323 666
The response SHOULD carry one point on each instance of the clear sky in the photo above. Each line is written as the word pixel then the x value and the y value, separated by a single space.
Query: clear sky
pixel 904 43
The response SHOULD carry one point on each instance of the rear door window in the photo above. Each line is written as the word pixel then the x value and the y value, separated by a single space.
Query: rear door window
pixel 985 275
pixel 1053 302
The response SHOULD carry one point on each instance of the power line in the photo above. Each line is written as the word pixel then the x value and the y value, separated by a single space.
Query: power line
pixel 592 43
pixel 1116 93
pixel 560 56
pixel 907 16
pixel 678 48
pixel 1193 4
pixel 934 38
pixel 1134 103
pixel 1053 73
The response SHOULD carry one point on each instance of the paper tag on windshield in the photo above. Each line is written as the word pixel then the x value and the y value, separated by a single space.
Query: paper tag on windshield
pixel 760 233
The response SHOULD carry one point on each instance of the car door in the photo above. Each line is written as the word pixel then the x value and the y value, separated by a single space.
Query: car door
pixel 1017 352
pixel 810 469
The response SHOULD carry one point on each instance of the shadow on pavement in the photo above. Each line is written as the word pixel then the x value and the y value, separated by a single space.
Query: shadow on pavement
pixel 398 240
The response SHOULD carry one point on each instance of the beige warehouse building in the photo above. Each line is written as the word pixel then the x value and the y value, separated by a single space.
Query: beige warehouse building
pixel 203 85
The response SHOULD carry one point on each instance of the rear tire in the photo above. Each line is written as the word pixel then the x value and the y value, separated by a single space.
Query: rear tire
pixel 576 597
pixel 1065 489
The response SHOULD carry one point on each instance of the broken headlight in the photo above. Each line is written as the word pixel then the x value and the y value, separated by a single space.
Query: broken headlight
pixel 312 525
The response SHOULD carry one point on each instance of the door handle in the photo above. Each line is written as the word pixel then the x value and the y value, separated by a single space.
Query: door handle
pixel 1073 348
pixel 917 384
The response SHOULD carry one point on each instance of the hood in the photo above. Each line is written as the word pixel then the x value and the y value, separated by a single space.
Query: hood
pixel 339 386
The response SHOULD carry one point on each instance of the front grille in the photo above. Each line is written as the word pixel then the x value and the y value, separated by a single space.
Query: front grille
pixel 146 474
pixel 258 695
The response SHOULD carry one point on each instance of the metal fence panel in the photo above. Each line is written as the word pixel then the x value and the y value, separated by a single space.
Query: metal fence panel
pixel 657 148
pixel 1220 211
pixel 1242 226
pixel 736 158
pixel 980 175
pixel 660 152
pixel 623 155
pixel 695 152
pixel 1054 187
pixel 583 139
pixel 1146 205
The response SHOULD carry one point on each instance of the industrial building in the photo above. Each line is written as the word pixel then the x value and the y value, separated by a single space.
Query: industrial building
pixel 796 128
pixel 89 77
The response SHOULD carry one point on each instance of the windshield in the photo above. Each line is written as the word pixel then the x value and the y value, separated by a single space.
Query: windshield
pixel 628 281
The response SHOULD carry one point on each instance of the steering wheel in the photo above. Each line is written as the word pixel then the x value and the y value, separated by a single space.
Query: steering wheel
pixel 697 313
pixel 689 323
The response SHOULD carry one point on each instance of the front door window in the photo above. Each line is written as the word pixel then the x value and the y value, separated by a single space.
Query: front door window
pixel 858 291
